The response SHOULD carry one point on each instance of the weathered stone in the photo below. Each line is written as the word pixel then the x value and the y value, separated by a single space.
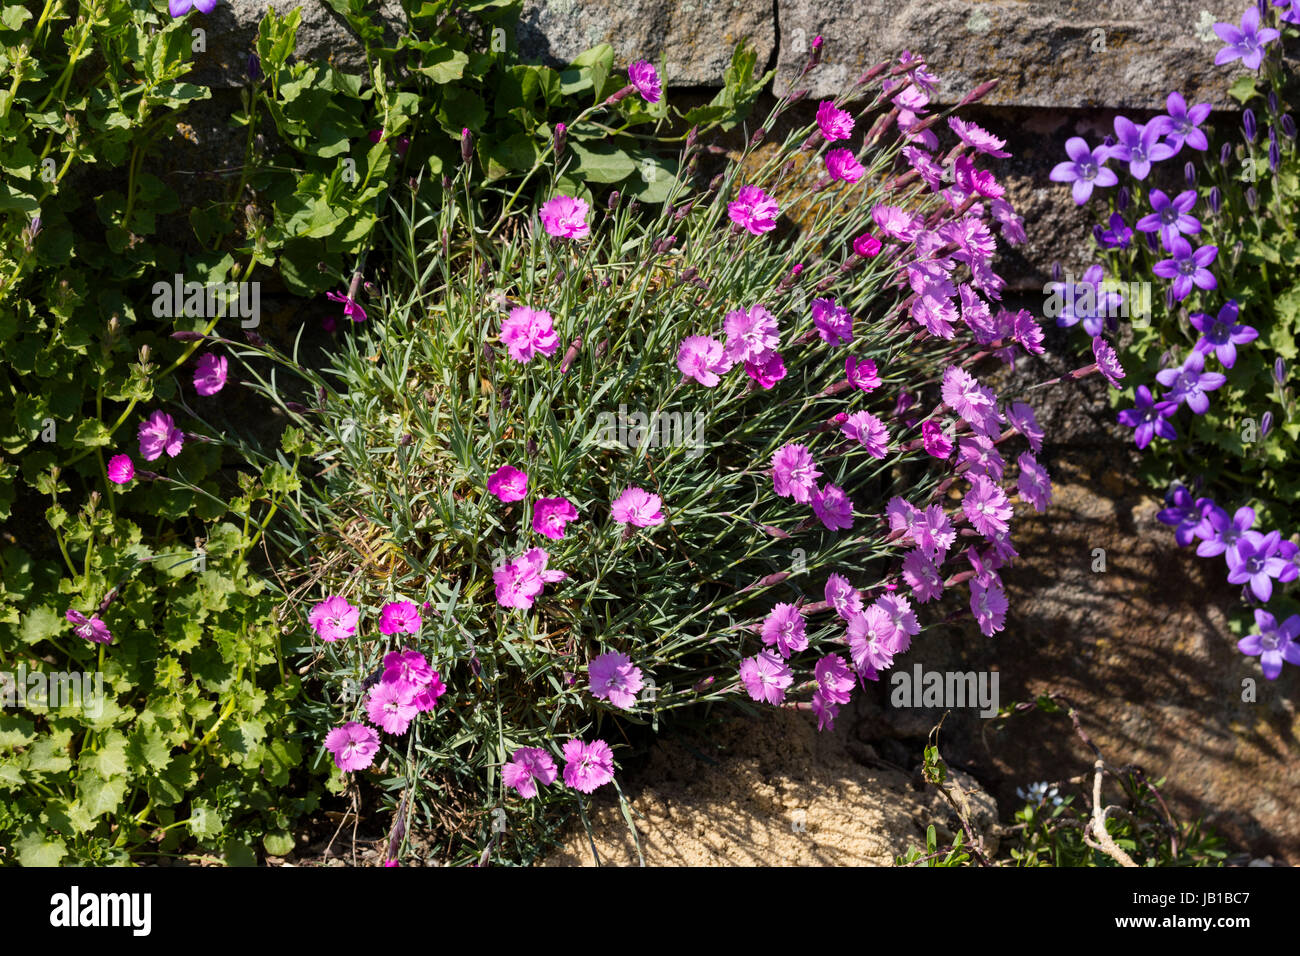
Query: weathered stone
pixel 692 38
pixel 1118 53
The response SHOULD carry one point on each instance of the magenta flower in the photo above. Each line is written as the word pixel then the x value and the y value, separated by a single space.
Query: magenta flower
pixel 426 695
pixel 407 667
pixel 794 473
pixel 1107 361
pixel 986 506
pixel 392 706
pixel 754 210
pixel 932 531
pixel 833 322
pixel 765 677
pixel 843 596
pixel 1245 43
pixel 587 766
pixel 900 613
pixel 988 602
pixel 825 711
pixel 936 443
pixel 1273 643
pixel 980 140
pixel 966 396
pixel 1170 217
pixel 1149 417
pixel 642 75
pixel 1022 420
pixel 983 456
pixel 871 641
pixel 566 217
pixel 1085 169
pixel 1222 335
pixel 210 374
pixel 1187 267
pixel 751 334
pixel 833 507
pixel 353 745
pixel 519 582
pixel 333 619
pixel 922 576
pixel 784 627
pixel 841 164
pixel 1034 484
pixel 896 222
pixel 834 122
pixel 120 469
pixel 869 430
pixel 1138 146
pixel 528 766
pixel 178 8
pixel 703 359
pixel 550 515
pixel 862 373
pixel 399 617
pixel 508 484
pixel 977 182
pixel 350 308
pixel 89 628
pixel 769 370
pixel 867 246
pixel 615 678
pixel 1184 123
pixel 637 507
pixel 1190 382
pixel 834 679
pixel 527 332
pixel 158 434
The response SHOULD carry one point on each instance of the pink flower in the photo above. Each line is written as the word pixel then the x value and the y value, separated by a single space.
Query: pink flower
pixel 159 433
pixel 903 618
pixel 833 507
pixel 527 332
pixel 642 75
pixel 922 576
pixel 871 640
pixel 834 122
pixel 397 617
pixel 90 628
pixel 751 334
pixel 844 166
pixel 120 469
pixel 528 767
pixel 210 374
pixel 979 139
pixel 965 396
pixel 833 322
pixel 587 766
pixel 765 677
pixel 1023 420
pixel 843 596
pixel 508 484
pixel 784 627
pixel 566 217
pixel 986 506
pixel 896 222
pixel 702 359
pixel 869 430
pixel 638 507
pixel 550 515
pixel 754 210
pixel 519 582
pixel 989 605
pixel 615 678
pixel 426 697
pixel 794 473
pixel 350 308
pixel 768 371
pixel 392 706
pixel 825 710
pixel 333 618
pixel 1034 484
pixel 862 373
pixel 867 246
pixel 936 442
pixel 353 745
pixel 409 667
pixel 834 679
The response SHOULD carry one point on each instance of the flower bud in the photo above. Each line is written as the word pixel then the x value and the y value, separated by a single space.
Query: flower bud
pixel 1274 156
pixel 1265 424
pixel 1224 153
pixel 1248 125
pixel 1287 125
pixel 1189 175
pixel 1122 198
pixel 466 144
pixel 1279 371
pixel 1215 199
pixel 1252 198
pixel 1272 103
pixel 612 201
pixel 561 136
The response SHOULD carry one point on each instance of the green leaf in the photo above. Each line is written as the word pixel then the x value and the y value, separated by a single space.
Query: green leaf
pixel 444 65
pixel 278 843
pixel 98 795
pixel 600 162
pixel 1243 88
pixel 40 623
pixel 14 17
pixel 35 848
pixel 109 759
